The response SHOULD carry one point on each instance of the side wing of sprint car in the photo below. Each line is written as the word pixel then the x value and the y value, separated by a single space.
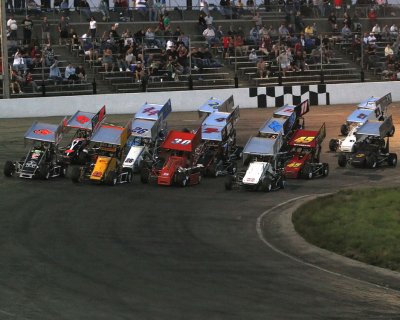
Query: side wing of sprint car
pixel 32 163
pixel 134 157
pixel 255 172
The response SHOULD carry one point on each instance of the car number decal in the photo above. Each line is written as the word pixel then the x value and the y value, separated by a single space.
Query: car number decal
pixel 362 116
pixel 151 111
pixel 294 164
pixel 304 139
pixel 275 125
pixel 214 105
pixel 42 131
pixel 210 130
pixel 181 141
pixel 140 130
pixel 82 119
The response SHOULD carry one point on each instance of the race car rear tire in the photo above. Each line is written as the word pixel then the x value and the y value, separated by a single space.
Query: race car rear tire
pixel 9 169
pixel 282 183
pixel 211 171
pixel 181 179
pixel 342 160
pixel 129 177
pixel 76 175
pixel 392 159
pixel 371 161
pixel 144 175
pixel 333 144
pixel 232 168
pixel 344 129
pixel 44 172
pixel 229 183
pixel 325 169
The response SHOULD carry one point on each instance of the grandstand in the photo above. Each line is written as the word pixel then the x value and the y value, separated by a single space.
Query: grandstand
pixel 126 56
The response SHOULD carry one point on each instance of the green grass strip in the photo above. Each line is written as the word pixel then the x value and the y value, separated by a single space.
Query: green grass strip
pixel 359 224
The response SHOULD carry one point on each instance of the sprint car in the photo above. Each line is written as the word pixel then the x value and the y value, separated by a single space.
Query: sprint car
pixel 305 152
pixel 176 162
pixel 85 124
pixel 285 121
pixel 42 160
pixel 106 155
pixel 372 146
pixel 265 169
pixel 213 105
pixel 148 130
pixel 372 108
pixel 218 151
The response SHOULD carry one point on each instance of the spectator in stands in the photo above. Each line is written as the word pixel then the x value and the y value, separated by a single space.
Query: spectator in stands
pixel 265 45
pixel 299 23
pixel 346 34
pixel 139 71
pixel 63 26
pixel 262 69
pixel 209 35
pixel 27 25
pixel 19 63
pixel 36 57
pixel 201 24
pixel 84 10
pixel 356 47
pixel 284 61
pixel 12 27
pixel 46 30
pixel 104 9
pixel 253 57
pixel 33 8
pixel 372 39
pixel 55 73
pixel 254 35
pixel 388 50
pixel 283 31
pixel 48 55
pixel 9 6
pixel 70 73
pixel 30 82
pixel 394 31
pixel 228 46
pixel 209 20
pixel 347 20
pixel 238 9
pixel 376 30
pixel 15 81
pixel 332 19
pixel 166 23
pixel 238 43
pixel 107 60
pixel 81 73
pixel 309 31
pixel 372 17
pixel 64 8
pixel 204 6
pixel 150 39
pixel 121 63
pixel 257 19
pixel 299 61
pixel 93 28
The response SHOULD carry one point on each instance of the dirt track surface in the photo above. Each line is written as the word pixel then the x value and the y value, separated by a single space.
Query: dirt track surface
pixel 147 252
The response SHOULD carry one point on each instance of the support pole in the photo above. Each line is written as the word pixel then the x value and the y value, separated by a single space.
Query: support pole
pixel 4 51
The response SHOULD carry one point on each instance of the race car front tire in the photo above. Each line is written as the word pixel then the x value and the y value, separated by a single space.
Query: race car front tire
pixel 325 169
pixel 44 171
pixel 229 182
pixel 392 159
pixel 9 169
pixel 76 175
pixel 266 185
pixel 342 160
pixel 371 161
pixel 111 178
pixel 333 144
pixel 308 172
pixel 344 129
pixel 144 175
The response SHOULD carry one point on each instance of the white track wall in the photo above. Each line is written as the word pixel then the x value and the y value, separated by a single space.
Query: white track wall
pixel 181 100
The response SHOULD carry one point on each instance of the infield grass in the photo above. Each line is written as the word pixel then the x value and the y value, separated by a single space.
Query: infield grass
pixel 359 224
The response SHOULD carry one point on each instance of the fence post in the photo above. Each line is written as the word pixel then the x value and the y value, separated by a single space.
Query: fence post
pixel 43 89
pixel 190 79
pixel 94 84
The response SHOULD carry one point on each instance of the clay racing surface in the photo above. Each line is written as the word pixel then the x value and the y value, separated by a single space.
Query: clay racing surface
pixel 148 252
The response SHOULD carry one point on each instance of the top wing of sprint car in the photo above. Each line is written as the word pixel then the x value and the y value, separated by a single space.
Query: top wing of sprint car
pixel 214 105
